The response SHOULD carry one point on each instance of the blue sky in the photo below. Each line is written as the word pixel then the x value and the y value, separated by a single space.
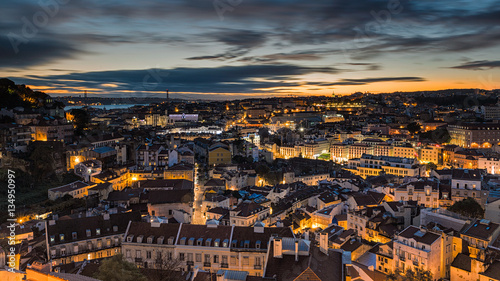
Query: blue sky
pixel 243 48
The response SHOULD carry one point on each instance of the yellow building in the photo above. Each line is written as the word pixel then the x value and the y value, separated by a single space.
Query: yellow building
pixel 219 155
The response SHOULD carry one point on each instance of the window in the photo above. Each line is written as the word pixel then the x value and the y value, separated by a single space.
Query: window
pixel 233 260
pixel 190 257
pixel 207 257
pixel 198 257
pixel 181 256
pixel 73 235
pixel 115 228
pixel 61 237
pixel 148 254
pixel 257 261
pixel 137 253
pixel 216 258
pixel 128 254
pixel 246 261
pixel 98 231
pixel 224 259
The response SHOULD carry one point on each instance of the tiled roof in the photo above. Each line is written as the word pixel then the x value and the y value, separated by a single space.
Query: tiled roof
pixel 462 262
pixel 80 226
pixel 427 238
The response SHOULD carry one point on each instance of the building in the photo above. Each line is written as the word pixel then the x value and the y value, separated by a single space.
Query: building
pixel 369 165
pixel 415 247
pixel 180 171
pixel 490 164
pixel 210 247
pixel 426 193
pixel 248 213
pixel 219 154
pixel 468 183
pixel 15 137
pixel 475 135
pixel 86 238
pixel 77 189
pixel 148 156
pixel 88 169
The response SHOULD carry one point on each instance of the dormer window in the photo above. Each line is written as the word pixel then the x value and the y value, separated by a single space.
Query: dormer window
pixel 208 242
pixel 257 244
pixel 139 238
pixel 199 242
pixel 160 240
pixel 216 242
pixel 61 237
pixel 115 228
pixel 183 241
pixel 150 239
pixel 88 232
pixel 130 238
pixel 191 241
pixel 98 231
pixel 225 243
pixel 171 241
pixel 73 235
pixel 52 239
pixel 246 245
pixel 234 243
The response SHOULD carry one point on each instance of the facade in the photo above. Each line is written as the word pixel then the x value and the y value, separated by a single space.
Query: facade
pixel 77 189
pixel 88 169
pixel 468 183
pixel 415 247
pixel 475 135
pixel 209 247
pixel 219 155
pixel 426 193
pixel 88 238
pixel 148 155
pixel 369 165
pixel 247 214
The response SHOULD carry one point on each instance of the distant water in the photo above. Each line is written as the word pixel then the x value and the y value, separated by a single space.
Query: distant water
pixel 108 106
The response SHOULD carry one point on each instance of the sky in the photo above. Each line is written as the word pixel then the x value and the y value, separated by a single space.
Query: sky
pixel 231 49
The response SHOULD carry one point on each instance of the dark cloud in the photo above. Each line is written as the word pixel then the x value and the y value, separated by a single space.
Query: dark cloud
pixel 478 65
pixel 365 81
pixel 16 52
pixel 225 79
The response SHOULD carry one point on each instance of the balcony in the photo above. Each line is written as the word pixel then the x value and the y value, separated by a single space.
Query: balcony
pixel 190 263
pixel 224 265
pixel 207 264
pixel 138 259
pixel 415 263
pixel 401 258
pixel 257 266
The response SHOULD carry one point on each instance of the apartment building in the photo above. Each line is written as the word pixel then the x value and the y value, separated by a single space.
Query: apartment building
pixel 86 238
pixel 468 183
pixel 416 247
pixel 370 165
pixel 426 193
pixel 475 135
pixel 209 247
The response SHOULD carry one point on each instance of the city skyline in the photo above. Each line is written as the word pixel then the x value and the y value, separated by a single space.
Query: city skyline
pixel 241 49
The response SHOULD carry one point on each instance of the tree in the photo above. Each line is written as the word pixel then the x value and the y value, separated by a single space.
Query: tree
pixel 81 120
pixel 117 269
pixel 413 127
pixel 431 166
pixel 417 274
pixel 165 269
pixel 468 207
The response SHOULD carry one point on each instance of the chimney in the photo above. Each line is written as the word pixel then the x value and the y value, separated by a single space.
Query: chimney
pixel 323 242
pixel 296 250
pixel 52 222
pixel 105 216
pixel 278 248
